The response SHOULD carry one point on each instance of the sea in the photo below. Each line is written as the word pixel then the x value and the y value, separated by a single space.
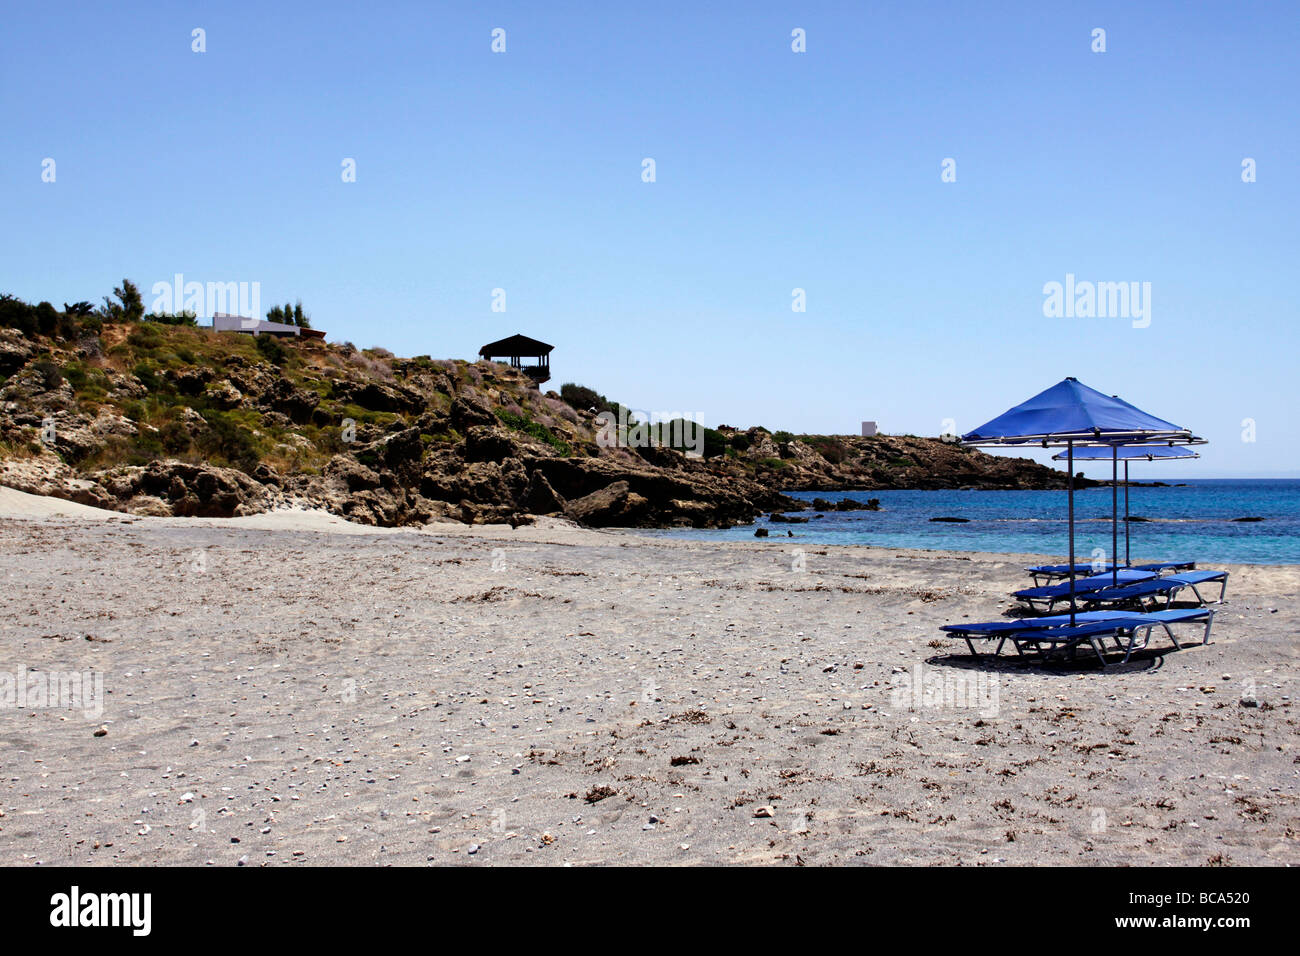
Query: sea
pixel 1190 521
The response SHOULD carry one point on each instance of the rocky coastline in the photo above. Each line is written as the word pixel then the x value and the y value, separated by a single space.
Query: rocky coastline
pixel 182 421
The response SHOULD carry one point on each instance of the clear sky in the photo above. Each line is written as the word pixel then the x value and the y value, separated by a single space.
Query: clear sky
pixel 774 170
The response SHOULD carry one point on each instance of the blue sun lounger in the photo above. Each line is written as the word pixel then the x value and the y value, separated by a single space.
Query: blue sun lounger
pixel 1166 587
pixel 1003 631
pixel 1052 594
pixel 1160 567
pixel 1045 573
pixel 1129 633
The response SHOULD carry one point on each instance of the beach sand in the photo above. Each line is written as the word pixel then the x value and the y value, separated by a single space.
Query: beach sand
pixel 292 689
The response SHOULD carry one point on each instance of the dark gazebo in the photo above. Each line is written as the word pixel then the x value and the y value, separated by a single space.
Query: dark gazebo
pixel 515 349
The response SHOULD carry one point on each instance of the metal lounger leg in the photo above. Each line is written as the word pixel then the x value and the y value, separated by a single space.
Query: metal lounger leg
pixel 1096 650
pixel 1222 591
pixel 1132 642
pixel 1170 631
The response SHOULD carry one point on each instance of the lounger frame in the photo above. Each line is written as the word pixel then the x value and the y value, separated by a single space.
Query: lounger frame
pixel 1168 590
pixel 1047 573
pixel 1129 634
pixel 1129 629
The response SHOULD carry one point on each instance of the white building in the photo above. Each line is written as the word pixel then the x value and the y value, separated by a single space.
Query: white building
pixel 868 429
pixel 221 322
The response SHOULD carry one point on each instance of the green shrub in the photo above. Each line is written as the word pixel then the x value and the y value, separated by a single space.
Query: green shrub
pixel 148 446
pixel 228 439
pixel 50 375
pixel 715 443
pixel 17 314
pixel 45 319
pixel 365 416
pixel 175 438
pixel 270 348
pixel 829 448
pixel 146 338
pixel 148 376
pixel 76 374
pixel 173 318
pixel 522 423
pixel 580 398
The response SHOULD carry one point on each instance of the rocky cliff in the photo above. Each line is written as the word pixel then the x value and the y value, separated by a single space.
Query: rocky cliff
pixel 176 420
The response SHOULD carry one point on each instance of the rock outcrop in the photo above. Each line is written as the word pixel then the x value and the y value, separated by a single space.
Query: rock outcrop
pixel 182 421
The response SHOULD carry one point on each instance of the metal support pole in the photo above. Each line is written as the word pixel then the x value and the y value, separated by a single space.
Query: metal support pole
pixel 1128 561
pixel 1069 464
pixel 1114 514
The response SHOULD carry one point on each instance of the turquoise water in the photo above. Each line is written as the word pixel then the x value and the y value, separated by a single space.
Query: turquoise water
pixel 1191 522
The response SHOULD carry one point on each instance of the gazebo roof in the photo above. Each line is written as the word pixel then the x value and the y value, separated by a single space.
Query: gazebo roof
pixel 517 344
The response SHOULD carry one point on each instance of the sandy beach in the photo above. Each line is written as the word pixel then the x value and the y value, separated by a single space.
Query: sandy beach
pixel 292 689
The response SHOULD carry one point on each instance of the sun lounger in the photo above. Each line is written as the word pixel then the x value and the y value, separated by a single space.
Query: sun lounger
pixel 1130 633
pixel 1043 573
pixel 1052 594
pixel 1166 587
pixel 1046 573
pixel 1160 567
pixel 1002 631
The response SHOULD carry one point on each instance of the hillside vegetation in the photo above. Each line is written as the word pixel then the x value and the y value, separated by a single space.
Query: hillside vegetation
pixel 153 415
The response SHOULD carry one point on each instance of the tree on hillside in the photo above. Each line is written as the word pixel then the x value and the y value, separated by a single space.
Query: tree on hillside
pixel 290 315
pixel 129 306
pixel 45 319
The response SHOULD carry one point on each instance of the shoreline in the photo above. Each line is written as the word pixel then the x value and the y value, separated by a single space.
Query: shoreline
pixel 19 505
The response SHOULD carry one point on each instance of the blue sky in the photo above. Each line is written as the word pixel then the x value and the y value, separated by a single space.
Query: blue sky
pixel 775 170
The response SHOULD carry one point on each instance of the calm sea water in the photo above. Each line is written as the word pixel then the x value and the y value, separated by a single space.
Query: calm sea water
pixel 1192 522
